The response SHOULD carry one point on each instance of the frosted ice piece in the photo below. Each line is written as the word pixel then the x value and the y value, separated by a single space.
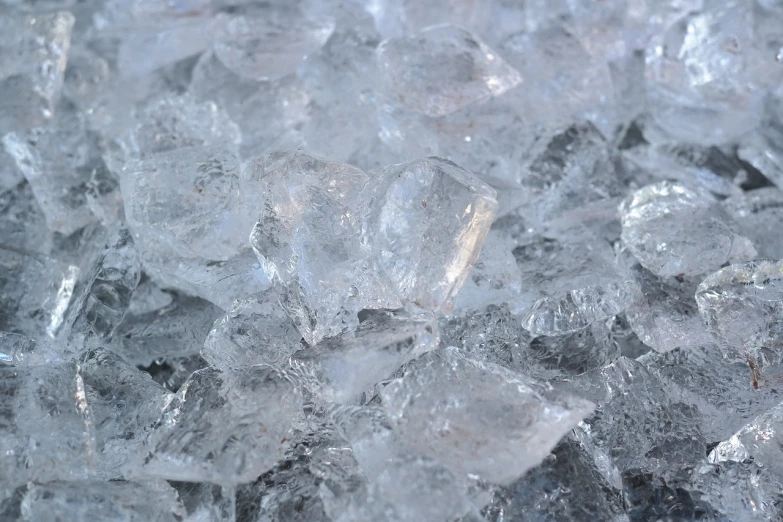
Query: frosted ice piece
pixel 191 200
pixel 283 105
pixel 636 423
pixel 86 77
pixel 125 403
pixel 341 368
pixel 720 383
pixel 697 76
pixel 175 122
pixel 569 283
pixel 464 69
pixel 10 176
pixel 743 304
pixel 758 441
pixel 707 167
pixel 254 330
pixel 494 278
pixel 566 83
pixel 220 282
pixel 427 229
pixel 558 356
pixel 569 170
pixel 57 162
pixel 566 486
pixel 664 315
pixel 224 428
pixel 477 417
pixel 207 502
pixel 108 291
pixel 309 238
pixel 178 330
pixel 270 44
pixel 46 430
pixel 34 56
pixel 676 230
pixel 758 214
pixel 119 500
pixel 395 19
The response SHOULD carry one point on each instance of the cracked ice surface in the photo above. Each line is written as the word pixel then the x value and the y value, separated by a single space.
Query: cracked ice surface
pixel 391 260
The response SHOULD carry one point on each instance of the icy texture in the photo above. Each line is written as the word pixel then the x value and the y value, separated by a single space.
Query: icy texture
pixel 216 431
pixel 757 214
pixel 449 408
pixel 120 501
pixel 674 230
pixel 463 67
pixel 741 304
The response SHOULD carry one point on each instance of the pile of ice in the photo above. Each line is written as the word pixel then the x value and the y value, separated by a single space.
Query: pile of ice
pixel 444 260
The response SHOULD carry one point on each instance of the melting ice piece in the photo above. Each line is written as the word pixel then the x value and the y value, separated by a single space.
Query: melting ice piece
pixel 758 214
pixel 32 66
pixel 309 237
pixel 189 200
pixel 569 283
pixel 673 229
pixel 271 43
pixel 86 77
pixel 427 229
pixel 743 304
pixel 759 440
pixel 464 69
pixel 46 431
pixel 118 500
pixel 255 330
pixel 340 368
pixel 477 417
pixel 224 428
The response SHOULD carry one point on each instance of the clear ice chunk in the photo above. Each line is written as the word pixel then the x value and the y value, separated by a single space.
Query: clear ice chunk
pixel 427 229
pixel 255 330
pixel 338 369
pixel 742 304
pixel 34 55
pixel 15 348
pixel 677 230
pixel 271 43
pixel 224 428
pixel 449 408
pixel 119 500
pixel 463 67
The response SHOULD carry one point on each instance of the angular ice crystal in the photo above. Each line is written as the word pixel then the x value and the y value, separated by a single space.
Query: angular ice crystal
pixel 441 70
pixel 189 200
pixel 569 283
pixel 450 408
pixel 119 500
pixel 224 428
pixel 254 330
pixel 309 236
pixel 14 347
pixel 758 441
pixel 758 214
pixel 34 56
pixel 177 330
pixel 45 432
pixel 109 290
pixel 676 230
pixel 743 304
pixel 269 44
pixel 340 368
pixel 57 161
pixel 720 383
pixel 428 227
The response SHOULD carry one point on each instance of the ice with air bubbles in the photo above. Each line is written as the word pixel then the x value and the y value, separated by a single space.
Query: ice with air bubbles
pixel 391 260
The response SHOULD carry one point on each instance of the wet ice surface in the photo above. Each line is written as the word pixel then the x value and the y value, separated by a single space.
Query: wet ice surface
pixel 322 260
